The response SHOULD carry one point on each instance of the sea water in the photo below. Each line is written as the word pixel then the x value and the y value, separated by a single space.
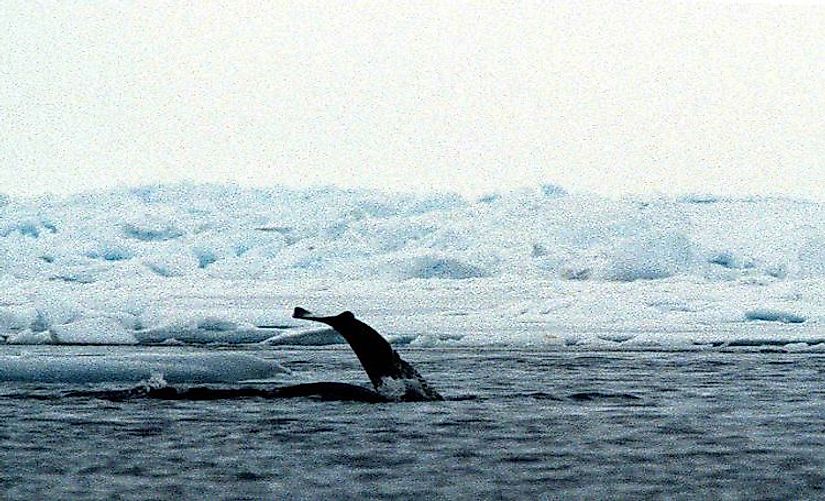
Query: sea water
pixel 517 424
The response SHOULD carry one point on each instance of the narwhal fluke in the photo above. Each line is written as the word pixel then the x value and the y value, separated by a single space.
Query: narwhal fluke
pixel 391 376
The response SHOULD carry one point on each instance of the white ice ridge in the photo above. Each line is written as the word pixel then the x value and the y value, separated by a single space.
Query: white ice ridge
pixel 218 264
pixel 189 368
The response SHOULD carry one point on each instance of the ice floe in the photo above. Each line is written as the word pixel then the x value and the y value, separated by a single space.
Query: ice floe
pixel 136 367
pixel 207 264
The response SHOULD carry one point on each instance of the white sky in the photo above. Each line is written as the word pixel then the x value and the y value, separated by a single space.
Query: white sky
pixel 611 97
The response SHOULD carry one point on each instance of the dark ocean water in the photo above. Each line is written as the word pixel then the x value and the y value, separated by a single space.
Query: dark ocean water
pixel 527 424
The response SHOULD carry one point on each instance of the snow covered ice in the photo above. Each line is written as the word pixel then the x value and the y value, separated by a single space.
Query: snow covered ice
pixel 208 264
pixel 135 367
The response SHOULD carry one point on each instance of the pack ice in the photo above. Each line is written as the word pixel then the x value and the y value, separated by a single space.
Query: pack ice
pixel 222 264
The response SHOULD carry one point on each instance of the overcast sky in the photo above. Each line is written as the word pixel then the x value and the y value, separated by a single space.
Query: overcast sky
pixel 471 97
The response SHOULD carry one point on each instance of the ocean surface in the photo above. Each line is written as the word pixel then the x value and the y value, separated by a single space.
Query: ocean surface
pixel 518 424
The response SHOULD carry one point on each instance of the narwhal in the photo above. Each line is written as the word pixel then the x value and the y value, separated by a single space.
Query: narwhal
pixel 391 376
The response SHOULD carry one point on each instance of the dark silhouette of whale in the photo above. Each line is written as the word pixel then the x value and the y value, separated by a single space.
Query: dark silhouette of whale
pixel 390 375
pixel 321 391
pixel 393 379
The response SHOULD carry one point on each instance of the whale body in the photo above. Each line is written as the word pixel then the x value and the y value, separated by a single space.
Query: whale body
pixel 393 378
